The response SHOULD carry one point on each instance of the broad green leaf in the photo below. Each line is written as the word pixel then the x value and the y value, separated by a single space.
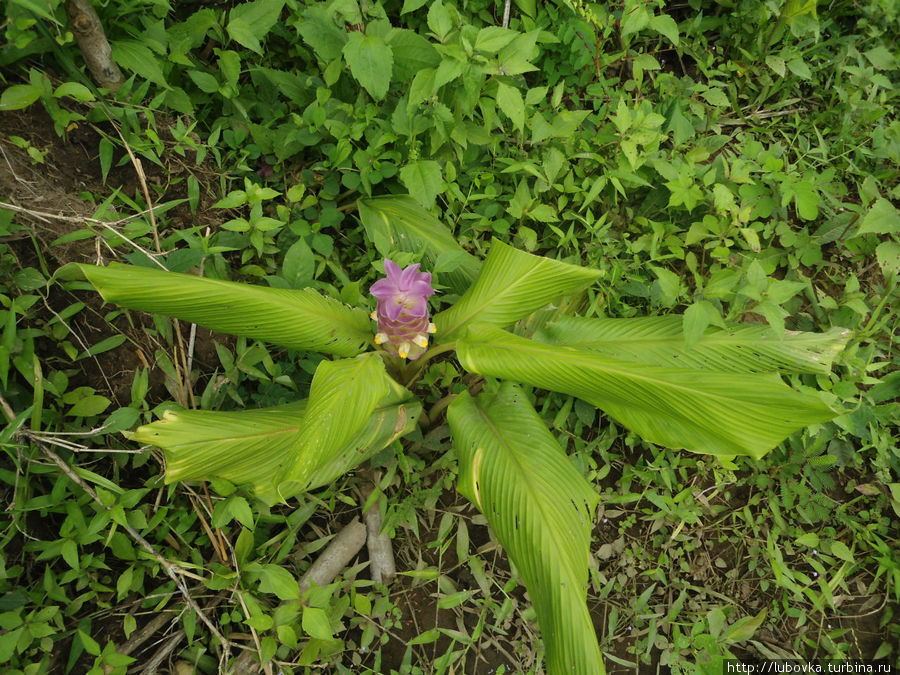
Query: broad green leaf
pixel 371 62
pixel 492 39
pixel 249 22
pixel 743 629
pixel 319 31
pixel 278 581
pixel 400 223
pixel 302 319
pixel 136 57
pixel 888 255
pixel 665 25
pixel 512 285
pixel 882 218
pixel 422 179
pixel 439 19
pixel 342 398
pixel 316 624
pixel 412 53
pixel 246 447
pixel 634 19
pixel 540 509
pixel 660 341
pixel 564 125
pixel 19 96
pixel 75 90
pixel 702 411
pixel 411 6
pixel 256 448
pixel 89 406
pixel 510 101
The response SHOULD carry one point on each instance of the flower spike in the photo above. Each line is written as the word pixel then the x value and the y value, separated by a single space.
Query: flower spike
pixel 402 314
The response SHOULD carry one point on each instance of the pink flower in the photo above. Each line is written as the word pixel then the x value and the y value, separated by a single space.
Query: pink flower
pixel 402 314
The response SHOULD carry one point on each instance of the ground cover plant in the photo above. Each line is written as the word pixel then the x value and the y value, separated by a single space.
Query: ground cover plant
pixel 734 164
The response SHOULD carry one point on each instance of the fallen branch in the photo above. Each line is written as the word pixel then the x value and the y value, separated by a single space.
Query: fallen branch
pixel 335 557
pixel 382 567
pixel 145 632
pixel 88 31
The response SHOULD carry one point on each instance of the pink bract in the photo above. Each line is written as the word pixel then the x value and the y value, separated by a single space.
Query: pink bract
pixel 402 314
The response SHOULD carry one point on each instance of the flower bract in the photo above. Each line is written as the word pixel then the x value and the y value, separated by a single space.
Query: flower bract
pixel 402 314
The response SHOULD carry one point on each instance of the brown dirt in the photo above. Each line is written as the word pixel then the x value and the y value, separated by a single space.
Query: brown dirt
pixel 67 187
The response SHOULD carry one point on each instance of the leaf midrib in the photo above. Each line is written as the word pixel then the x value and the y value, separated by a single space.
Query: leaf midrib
pixel 630 373
pixel 519 468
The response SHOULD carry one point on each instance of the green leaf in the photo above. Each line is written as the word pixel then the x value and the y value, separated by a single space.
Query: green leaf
pixel 665 25
pixel 776 63
pixel 206 82
pixel 315 623
pixel 19 96
pixel 89 406
pixel 882 218
pixel 888 255
pixel 399 223
pixel 439 20
pixel 412 53
pixel 880 57
pixel 278 581
pixel 90 644
pixel 342 397
pixel 318 30
pixel 702 411
pixel 743 629
pixel 509 99
pixel 411 6
pixel 669 285
pixel 540 509
pixel 136 57
pixel 249 22
pixel 302 319
pixel 839 550
pixel 696 321
pixel 240 510
pixel 661 341
pixel 799 68
pixel 74 90
pixel 422 178
pixel 69 553
pixel 371 61
pixel 634 19
pixel 564 125
pixel 807 200
pixel 258 447
pixel 512 285
pixel 492 39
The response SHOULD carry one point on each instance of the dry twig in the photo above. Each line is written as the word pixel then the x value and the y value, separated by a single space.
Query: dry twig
pixel 335 557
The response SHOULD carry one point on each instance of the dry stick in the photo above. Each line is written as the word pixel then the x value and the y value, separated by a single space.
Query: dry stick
pixel 267 668
pixel 144 633
pixel 761 115
pixel 163 653
pixel 335 557
pixel 44 216
pixel 171 569
pixel 506 9
pixel 382 567
pixel 142 178
pixel 88 30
